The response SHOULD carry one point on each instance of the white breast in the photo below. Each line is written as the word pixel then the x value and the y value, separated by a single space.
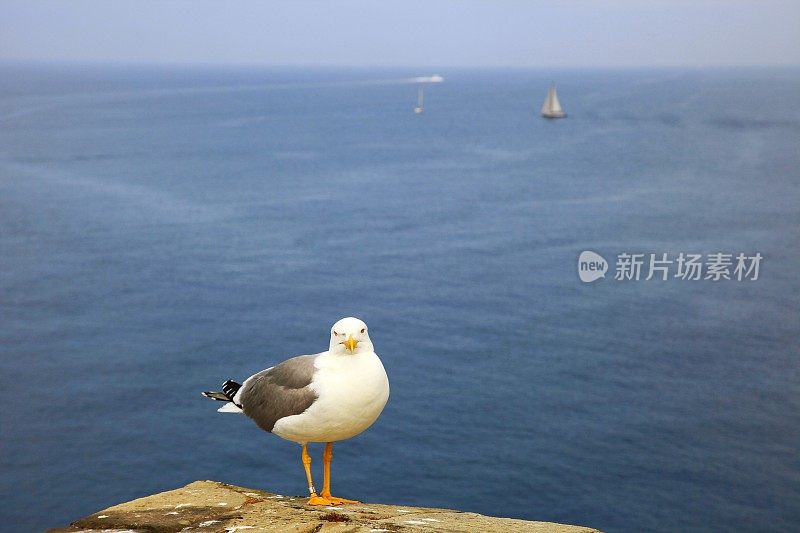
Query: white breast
pixel 352 391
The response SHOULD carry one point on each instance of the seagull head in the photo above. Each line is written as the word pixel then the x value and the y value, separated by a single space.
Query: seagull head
pixel 350 336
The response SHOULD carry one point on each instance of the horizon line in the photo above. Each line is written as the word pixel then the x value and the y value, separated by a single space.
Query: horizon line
pixel 426 68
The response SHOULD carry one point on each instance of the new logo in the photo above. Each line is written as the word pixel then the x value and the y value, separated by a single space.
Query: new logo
pixel 591 266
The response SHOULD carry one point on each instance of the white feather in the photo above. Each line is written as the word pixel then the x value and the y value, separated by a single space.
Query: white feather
pixel 351 393
pixel 229 407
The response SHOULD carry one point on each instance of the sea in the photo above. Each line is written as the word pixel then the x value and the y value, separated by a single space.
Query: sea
pixel 165 228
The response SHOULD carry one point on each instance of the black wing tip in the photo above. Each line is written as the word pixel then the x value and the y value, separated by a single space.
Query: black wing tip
pixel 230 388
pixel 219 396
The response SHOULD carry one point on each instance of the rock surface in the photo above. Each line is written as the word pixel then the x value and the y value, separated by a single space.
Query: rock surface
pixel 216 507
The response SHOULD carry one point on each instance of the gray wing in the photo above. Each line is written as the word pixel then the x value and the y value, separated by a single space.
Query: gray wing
pixel 280 391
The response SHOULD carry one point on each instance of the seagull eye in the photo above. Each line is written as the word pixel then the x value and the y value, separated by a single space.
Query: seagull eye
pixel 335 334
pixel 363 330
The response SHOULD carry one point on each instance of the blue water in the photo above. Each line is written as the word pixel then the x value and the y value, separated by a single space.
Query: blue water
pixel 164 229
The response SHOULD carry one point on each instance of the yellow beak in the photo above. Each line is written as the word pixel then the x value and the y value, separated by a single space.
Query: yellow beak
pixel 350 344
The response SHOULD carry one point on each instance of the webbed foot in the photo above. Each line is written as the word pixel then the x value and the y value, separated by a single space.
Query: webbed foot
pixel 337 501
pixel 319 500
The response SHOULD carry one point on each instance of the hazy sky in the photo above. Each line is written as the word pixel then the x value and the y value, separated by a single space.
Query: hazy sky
pixel 408 33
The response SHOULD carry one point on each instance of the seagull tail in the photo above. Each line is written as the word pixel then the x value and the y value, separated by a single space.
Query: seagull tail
pixel 230 407
pixel 229 390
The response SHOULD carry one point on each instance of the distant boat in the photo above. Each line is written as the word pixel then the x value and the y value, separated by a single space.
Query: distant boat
pixel 552 107
pixel 420 98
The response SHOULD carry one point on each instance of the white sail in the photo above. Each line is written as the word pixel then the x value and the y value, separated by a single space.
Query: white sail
pixel 547 102
pixel 555 105
pixel 552 107
pixel 420 98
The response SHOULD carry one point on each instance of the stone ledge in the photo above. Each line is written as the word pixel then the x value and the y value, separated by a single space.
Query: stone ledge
pixel 211 506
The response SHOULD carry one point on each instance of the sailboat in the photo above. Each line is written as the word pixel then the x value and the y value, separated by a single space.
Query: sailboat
pixel 552 107
pixel 420 97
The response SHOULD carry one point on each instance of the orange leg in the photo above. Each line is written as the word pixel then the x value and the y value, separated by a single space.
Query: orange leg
pixel 314 499
pixel 326 483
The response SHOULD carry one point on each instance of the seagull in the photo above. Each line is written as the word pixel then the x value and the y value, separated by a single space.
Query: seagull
pixel 326 397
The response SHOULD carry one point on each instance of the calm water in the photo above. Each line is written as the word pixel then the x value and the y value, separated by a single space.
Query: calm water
pixel 163 230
